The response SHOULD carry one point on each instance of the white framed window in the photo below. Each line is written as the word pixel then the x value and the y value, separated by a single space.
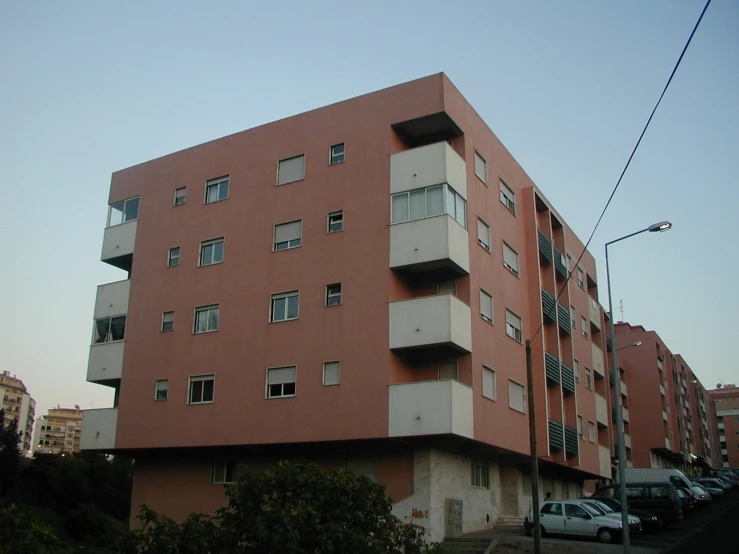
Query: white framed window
pixel 591 432
pixel 580 278
pixel 428 202
pixel 291 170
pixel 481 168
pixel 486 306
pixel 206 319
pixel 336 221
pixel 510 259
pixel 333 295
pixel 109 329
pixel 569 263
pixel 123 211
pixel 331 373
pixel 224 472
pixel 447 288
pixel 447 370
pixel 488 383
pixel 281 382
pixel 480 478
pixel 584 327
pixel 588 378
pixel 216 189
pixel 180 196
pixel 284 306
pixel 580 432
pixel 513 326
pixel 516 396
pixel 573 317
pixel 200 390
pixel 483 234
pixel 508 197
pixel 167 321
pixel 336 154
pixel 161 390
pixel 211 252
pixel 288 235
pixel 173 258
pixel 576 370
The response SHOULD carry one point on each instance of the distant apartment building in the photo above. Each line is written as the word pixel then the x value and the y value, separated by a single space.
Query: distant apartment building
pixel 60 431
pixel 19 408
pixel 726 404
pixel 352 286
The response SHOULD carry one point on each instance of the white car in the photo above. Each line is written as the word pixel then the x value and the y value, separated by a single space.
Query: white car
pixel 576 517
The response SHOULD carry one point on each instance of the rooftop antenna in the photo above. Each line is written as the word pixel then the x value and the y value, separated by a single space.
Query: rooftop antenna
pixel 621 308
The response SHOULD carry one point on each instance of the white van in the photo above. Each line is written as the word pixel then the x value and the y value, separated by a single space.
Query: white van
pixel 658 475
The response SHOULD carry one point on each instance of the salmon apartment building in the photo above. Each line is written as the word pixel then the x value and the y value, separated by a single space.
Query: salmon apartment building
pixel 351 286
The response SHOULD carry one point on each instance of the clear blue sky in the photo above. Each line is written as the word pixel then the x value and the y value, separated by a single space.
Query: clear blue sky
pixel 87 88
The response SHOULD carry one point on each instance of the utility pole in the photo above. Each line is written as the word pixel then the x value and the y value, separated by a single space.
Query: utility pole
pixel 534 455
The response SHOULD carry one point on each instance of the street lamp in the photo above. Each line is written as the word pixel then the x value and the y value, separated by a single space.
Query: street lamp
pixel 620 453
pixel 632 345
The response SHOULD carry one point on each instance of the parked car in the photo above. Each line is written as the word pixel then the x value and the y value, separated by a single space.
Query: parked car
pixel 714 491
pixel 727 475
pixel 575 517
pixel 660 498
pixel 700 495
pixel 649 520
pixel 657 475
pixel 687 501
pixel 635 523
pixel 714 482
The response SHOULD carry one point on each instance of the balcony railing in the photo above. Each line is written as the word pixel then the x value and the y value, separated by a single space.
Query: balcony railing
pixel 571 442
pixel 431 321
pixel 568 379
pixel 565 324
pixel 545 248
pixel 559 265
pixel 549 306
pixel 551 365
pixel 430 408
pixel 556 435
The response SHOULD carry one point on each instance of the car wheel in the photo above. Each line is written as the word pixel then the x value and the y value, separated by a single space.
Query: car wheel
pixel 660 523
pixel 543 531
pixel 605 535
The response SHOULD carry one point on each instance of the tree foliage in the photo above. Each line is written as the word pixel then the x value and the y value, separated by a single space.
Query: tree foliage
pixel 10 454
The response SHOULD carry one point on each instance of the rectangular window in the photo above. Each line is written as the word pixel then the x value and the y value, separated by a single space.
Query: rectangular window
pixel 288 235
pixel 428 202
pixel 123 211
pixel 281 382
pixel 481 168
pixel 576 370
pixel 486 306
pixel 588 379
pixel 447 370
pixel 109 329
pixel 513 326
pixel 580 278
pixel 333 294
pixel 447 288
pixel 569 263
pixel 331 373
pixel 516 396
pixel 167 321
pixel 508 198
pixel 483 234
pixel 216 189
pixel 579 428
pixel 488 383
pixel 211 252
pixel 510 259
pixel 573 317
pixel 206 319
pixel 224 472
pixel 161 390
pixel 336 221
pixel 480 475
pixel 336 155
pixel 291 170
pixel 591 432
pixel 584 325
pixel 174 257
pixel 180 196
pixel 285 306
pixel 201 389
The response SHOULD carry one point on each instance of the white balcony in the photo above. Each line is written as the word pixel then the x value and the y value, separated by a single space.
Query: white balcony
pixel 430 408
pixel 662 390
pixel 629 464
pixel 667 443
pixel 724 452
pixel 601 410
pixel 105 362
pixel 428 244
pixel 598 367
pixel 118 244
pixel 660 364
pixel 623 388
pixel 594 312
pixel 431 321
pixel 433 164
pixel 625 414
pixel 664 415
pixel 627 441
pixel 604 461
pixel 721 426
pixel 99 429
pixel 112 299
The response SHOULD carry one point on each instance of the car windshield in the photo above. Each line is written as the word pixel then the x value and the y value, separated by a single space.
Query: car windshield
pixel 605 507
pixel 592 510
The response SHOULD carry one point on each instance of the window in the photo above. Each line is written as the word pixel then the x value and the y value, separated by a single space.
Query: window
pixel 201 389
pixel 579 428
pixel 110 329
pixel 576 370
pixel 429 202
pixel 486 306
pixel 291 170
pixel 123 212
pixel 510 259
pixel 447 370
pixel 588 379
pixel 174 257
pixel 336 155
pixel 591 432
pixel 480 475
pixel 580 278
pixel 573 510
pixel 211 252
pixel 161 390
pixel 508 198
pixel 331 373
pixel 481 168
pixel 224 472
pixel 573 317
pixel 569 263
pixel 206 319
pixel 284 306
pixel 513 325
pixel 336 221
pixel 281 382
pixel 216 189
pixel 447 288
pixel 516 397
pixel 483 234
pixel 584 327
pixel 180 196
pixel 554 509
pixel 736 419
pixel 488 383
pixel 333 294
pixel 288 235
pixel 167 321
